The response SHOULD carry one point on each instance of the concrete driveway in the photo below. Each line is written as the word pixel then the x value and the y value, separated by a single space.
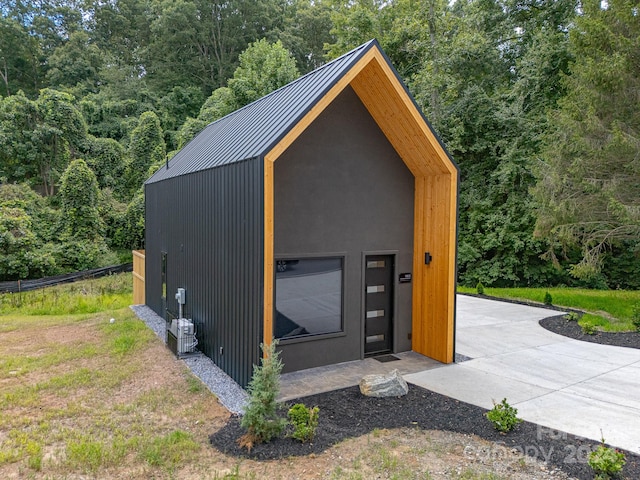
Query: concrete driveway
pixel 563 384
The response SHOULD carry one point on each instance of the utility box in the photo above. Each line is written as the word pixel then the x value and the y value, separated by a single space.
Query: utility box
pixel 183 333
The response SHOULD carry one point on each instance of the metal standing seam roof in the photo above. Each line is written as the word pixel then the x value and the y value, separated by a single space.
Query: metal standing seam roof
pixel 254 129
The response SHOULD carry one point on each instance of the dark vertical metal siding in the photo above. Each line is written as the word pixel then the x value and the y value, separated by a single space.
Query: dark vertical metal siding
pixel 211 225
pixel 155 243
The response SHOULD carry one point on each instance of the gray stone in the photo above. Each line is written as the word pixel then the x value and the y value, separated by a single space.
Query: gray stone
pixel 388 385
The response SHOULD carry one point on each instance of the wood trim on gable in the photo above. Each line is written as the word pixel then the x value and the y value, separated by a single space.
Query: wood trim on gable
pixel 318 108
pixel 435 207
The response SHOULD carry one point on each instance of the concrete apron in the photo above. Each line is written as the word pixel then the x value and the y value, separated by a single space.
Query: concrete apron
pixel 563 384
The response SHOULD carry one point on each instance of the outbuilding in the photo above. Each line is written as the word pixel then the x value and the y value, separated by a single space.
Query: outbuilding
pixel 323 214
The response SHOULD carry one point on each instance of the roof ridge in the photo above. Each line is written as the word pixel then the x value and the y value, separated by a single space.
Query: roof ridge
pixel 300 95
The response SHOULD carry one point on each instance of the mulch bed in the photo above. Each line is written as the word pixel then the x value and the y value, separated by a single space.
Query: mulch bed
pixel 558 324
pixel 347 413
pixel 571 329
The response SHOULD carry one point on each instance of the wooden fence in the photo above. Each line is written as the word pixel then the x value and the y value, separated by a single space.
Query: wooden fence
pixel 138 277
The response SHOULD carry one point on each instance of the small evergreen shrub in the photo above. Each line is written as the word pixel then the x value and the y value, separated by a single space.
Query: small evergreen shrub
pixel 548 299
pixel 480 288
pixel 589 329
pixel 304 421
pixel 261 418
pixel 503 416
pixel 606 462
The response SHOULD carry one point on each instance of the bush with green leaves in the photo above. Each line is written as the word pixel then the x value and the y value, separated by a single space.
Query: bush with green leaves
pixel 606 462
pixel 304 421
pixel 548 299
pixel 480 288
pixel 77 255
pixel 572 317
pixel 261 418
pixel 21 254
pixel 589 329
pixel 503 416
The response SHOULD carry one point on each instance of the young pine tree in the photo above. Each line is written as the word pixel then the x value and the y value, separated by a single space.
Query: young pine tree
pixel 261 418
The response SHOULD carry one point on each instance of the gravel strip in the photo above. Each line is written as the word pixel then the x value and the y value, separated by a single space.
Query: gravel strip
pixel 153 321
pixel 229 393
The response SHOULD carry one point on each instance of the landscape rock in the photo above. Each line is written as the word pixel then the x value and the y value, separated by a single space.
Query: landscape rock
pixel 387 385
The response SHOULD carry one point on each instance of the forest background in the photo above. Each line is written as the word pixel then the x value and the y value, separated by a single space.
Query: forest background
pixel 538 101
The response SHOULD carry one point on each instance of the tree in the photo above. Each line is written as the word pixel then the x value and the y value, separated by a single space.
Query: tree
pixel 589 183
pixel 20 67
pixel 133 224
pixel 261 418
pixel 37 138
pixel 146 148
pixel 113 112
pixel 306 29
pixel 264 67
pixel 175 107
pixel 81 242
pixel 107 159
pixel 121 30
pixel 474 90
pixel 75 63
pixel 355 22
pixel 79 193
pixel 29 33
pixel 197 42
pixel 19 149
pixel 23 252
pixel 19 256
pixel 59 133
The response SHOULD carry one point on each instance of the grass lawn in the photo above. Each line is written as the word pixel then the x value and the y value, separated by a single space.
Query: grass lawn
pixel 610 310
pixel 82 397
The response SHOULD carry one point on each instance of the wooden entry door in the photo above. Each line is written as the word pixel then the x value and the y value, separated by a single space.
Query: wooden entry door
pixel 378 303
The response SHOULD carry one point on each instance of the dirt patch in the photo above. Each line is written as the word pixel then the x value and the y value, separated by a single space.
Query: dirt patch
pixel 36 340
pixel 158 371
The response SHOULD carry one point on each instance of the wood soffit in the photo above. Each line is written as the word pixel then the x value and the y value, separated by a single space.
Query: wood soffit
pixel 389 104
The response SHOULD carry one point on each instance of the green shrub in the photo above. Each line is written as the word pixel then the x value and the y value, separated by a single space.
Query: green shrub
pixel 548 299
pixel 589 329
pixel 572 317
pixel 304 421
pixel 480 288
pixel 503 416
pixel 606 462
pixel 261 418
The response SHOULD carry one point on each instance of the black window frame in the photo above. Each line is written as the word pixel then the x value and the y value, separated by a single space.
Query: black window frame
pixel 342 256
